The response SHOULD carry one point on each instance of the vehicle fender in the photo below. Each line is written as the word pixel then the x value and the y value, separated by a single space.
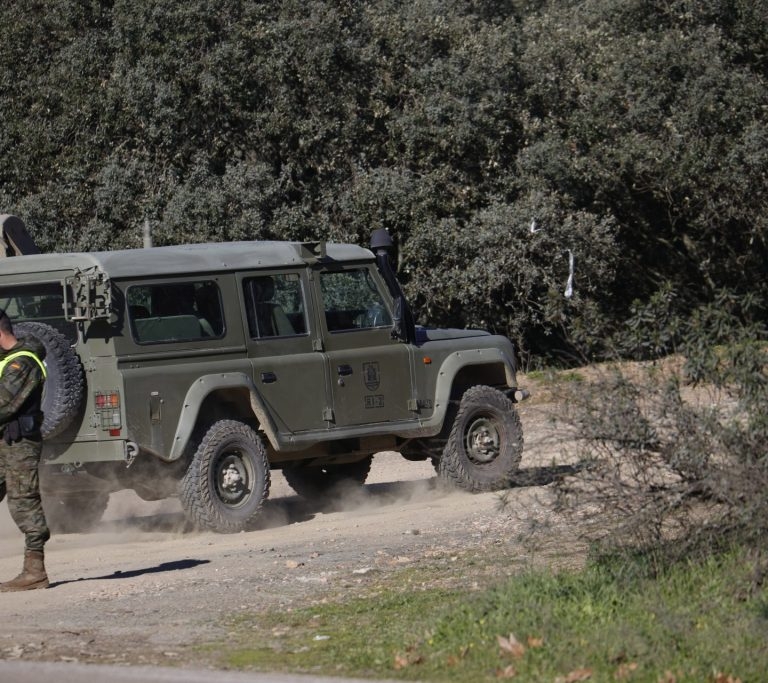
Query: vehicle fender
pixel 456 362
pixel 196 395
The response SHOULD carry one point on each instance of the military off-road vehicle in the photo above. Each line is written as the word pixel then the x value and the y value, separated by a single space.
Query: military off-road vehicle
pixel 194 370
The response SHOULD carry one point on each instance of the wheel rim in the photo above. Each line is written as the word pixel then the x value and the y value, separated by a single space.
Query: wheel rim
pixel 482 440
pixel 233 476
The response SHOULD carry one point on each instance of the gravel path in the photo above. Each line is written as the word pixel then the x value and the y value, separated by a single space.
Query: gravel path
pixel 138 590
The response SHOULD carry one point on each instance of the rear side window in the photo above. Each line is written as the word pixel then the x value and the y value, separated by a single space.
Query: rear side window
pixel 175 311
pixel 40 303
pixel 275 306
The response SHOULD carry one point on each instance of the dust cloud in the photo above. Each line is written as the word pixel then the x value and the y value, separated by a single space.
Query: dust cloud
pixel 392 481
pixel 385 487
pixel 11 539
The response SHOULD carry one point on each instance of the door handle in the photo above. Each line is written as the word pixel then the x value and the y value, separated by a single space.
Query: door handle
pixel 345 370
pixel 268 377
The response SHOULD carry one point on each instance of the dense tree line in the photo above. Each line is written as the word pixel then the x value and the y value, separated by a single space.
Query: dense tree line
pixel 506 145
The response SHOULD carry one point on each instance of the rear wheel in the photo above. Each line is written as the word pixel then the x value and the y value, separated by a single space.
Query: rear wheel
pixel 227 481
pixel 316 481
pixel 485 444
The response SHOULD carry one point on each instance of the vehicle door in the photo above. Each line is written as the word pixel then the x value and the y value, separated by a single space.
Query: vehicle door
pixel 177 330
pixel 369 371
pixel 287 370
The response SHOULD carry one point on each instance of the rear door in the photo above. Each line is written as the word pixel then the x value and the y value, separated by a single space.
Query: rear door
pixel 288 371
pixel 176 330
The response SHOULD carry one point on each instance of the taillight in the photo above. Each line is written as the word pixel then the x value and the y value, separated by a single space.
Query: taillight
pixel 108 411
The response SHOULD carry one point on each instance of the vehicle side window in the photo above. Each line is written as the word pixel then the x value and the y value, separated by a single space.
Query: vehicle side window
pixel 176 311
pixel 352 301
pixel 275 306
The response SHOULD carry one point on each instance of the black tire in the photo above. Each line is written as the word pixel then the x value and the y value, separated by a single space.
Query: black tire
pixel 64 388
pixel 74 513
pixel 227 481
pixel 317 481
pixel 485 444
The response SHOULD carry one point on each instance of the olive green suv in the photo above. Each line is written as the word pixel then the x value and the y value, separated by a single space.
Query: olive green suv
pixel 194 370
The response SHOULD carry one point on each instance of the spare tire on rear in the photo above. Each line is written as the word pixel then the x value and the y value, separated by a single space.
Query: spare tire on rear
pixel 65 382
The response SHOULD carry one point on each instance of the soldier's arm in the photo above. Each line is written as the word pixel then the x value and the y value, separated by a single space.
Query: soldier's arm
pixel 17 382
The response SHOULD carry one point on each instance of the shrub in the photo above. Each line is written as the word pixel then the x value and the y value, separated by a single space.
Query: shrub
pixel 673 451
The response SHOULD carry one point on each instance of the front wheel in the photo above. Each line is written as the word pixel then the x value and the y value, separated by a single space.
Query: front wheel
pixel 485 444
pixel 227 481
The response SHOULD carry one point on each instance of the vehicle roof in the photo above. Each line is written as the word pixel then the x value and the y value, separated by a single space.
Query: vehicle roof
pixel 182 259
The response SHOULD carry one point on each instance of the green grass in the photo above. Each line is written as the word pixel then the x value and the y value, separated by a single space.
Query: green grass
pixel 692 623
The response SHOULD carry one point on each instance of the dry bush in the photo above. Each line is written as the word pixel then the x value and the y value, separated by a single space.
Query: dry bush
pixel 673 453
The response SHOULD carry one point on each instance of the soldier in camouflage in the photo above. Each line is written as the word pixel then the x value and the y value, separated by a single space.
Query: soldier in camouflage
pixel 22 375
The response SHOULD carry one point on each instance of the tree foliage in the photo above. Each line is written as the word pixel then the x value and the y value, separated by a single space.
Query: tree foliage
pixel 629 134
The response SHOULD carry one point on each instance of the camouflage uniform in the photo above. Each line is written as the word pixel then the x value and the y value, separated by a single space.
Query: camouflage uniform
pixel 21 384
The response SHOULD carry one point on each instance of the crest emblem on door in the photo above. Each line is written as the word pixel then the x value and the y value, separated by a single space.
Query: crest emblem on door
pixel 371 375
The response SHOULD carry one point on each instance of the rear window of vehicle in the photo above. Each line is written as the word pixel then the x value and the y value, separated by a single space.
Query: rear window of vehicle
pixel 40 303
pixel 175 311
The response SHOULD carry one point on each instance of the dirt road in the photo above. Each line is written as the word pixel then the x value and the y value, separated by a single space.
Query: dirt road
pixel 139 590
